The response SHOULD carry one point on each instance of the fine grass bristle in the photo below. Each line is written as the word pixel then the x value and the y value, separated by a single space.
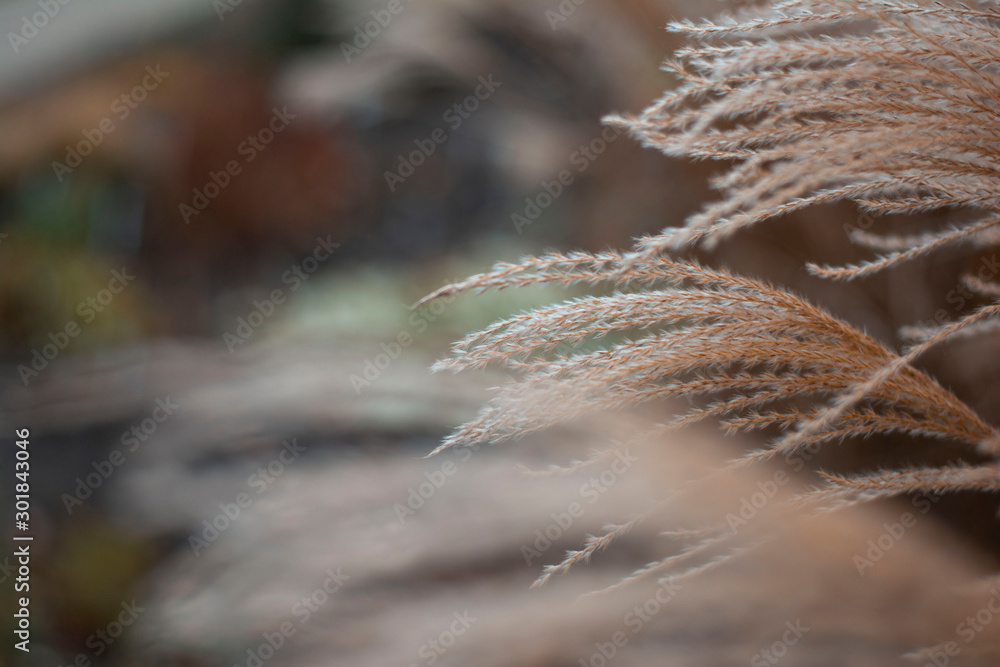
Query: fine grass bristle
pixel 894 110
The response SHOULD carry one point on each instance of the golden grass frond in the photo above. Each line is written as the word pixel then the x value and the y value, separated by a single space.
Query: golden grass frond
pixel 708 334
pixel 900 365
pixel 751 353
pixel 591 546
pixel 916 247
pixel 896 111
pixel 847 491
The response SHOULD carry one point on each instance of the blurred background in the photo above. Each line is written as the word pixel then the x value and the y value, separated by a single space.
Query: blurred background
pixel 214 216
pixel 228 206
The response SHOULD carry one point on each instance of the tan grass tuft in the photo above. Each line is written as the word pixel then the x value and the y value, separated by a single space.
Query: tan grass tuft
pixel 895 109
